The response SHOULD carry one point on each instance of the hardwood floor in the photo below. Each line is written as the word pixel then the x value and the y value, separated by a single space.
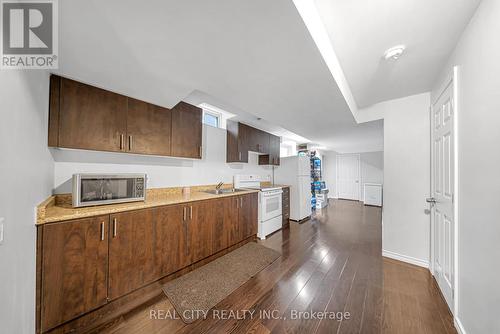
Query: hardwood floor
pixel 330 264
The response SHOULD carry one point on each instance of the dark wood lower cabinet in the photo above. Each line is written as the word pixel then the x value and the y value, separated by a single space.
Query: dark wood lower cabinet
pixel 248 215
pixel 224 219
pixel 286 206
pixel 87 263
pixel 200 222
pixel 133 258
pixel 171 239
pixel 74 269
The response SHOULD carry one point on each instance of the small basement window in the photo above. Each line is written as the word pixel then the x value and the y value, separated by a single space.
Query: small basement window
pixel 211 118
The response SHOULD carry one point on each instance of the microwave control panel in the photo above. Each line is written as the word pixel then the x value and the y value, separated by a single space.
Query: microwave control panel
pixel 139 187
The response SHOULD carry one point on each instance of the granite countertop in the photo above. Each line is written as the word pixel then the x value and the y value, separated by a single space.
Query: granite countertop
pixel 51 211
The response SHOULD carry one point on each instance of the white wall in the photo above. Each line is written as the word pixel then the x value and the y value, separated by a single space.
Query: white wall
pixel 405 230
pixel 162 172
pixel 330 172
pixel 371 170
pixel 478 57
pixel 26 178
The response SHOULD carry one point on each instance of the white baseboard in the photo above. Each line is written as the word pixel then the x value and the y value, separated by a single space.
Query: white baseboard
pixel 458 325
pixel 405 258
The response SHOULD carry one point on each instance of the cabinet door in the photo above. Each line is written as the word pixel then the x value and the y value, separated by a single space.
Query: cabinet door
pixel 148 128
pixel 91 118
pixel 286 206
pixel 232 220
pixel 226 227
pixel 248 215
pixel 220 233
pixel 243 142
pixel 186 131
pixel 200 222
pixel 236 142
pixel 132 251
pixel 74 269
pixel 263 141
pixel 171 239
pixel 274 150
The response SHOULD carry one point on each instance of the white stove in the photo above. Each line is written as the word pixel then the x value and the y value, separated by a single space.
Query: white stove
pixel 270 202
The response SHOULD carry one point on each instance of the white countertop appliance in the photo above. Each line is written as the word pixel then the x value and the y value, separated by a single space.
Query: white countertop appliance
pixel 270 203
pixel 296 172
pixel 99 189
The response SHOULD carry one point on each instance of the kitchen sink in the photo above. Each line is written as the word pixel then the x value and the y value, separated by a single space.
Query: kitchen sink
pixel 223 191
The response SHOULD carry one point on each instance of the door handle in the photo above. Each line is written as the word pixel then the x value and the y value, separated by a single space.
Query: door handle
pixel 102 231
pixel 184 210
pixel 241 202
pixel 122 139
pixel 431 200
pixel 130 142
pixel 115 227
pixel 191 212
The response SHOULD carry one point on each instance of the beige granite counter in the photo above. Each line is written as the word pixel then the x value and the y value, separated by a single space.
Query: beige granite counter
pixel 58 208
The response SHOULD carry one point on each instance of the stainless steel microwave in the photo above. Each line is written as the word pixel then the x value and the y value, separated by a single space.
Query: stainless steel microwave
pixel 100 189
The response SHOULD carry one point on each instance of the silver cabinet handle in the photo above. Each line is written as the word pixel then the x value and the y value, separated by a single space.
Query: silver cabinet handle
pixel 241 202
pixel 115 227
pixel 102 231
pixel 431 200
pixel 130 142
pixel 184 214
pixel 239 154
pixel 191 213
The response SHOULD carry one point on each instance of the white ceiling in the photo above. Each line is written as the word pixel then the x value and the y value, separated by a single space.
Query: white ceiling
pixel 361 31
pixel 254 55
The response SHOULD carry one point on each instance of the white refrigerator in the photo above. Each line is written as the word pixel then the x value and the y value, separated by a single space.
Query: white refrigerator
pixel 296 172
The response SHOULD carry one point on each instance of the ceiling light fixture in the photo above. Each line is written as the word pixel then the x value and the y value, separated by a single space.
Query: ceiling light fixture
pixel 395 52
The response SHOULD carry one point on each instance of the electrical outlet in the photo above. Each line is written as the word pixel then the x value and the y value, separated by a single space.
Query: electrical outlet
pixel 1 230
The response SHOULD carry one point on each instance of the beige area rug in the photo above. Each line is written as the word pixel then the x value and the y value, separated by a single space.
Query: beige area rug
pixel 196 292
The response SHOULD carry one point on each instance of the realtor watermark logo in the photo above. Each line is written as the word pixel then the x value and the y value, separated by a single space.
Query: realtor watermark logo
pixel 29 34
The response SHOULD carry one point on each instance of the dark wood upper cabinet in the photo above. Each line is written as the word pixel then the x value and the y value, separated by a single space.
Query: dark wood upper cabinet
pixel 237 141
pixel 148 128
pixel 263 141
pixel 88 117
pixel 258 140
pixel 273 158
pixel 74 269
pixel 186 131
pixel 242 138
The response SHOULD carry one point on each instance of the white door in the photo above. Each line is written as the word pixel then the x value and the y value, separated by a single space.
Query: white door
pixel 442 192
pixel 348 176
